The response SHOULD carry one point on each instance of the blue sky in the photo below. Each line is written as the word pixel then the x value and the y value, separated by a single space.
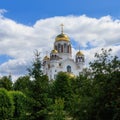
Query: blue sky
pixel 28 11
pixel 26 25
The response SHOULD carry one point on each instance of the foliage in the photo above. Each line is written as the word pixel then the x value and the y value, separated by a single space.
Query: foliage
pixel 6 105
pixel 5 82
pixel 20 105
pixel 106 85
pixel 82 99
pixel 23 84
pixel 96 95
pixel 35 71
pixel 57 110
pixel 63 88
pixel 93 95
pixel 105 63
pixel 39 90
pixel 39 97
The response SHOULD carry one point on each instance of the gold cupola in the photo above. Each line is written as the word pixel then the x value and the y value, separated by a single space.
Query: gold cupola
pixel 54 51
pixel 79 53
pixel 71 75
pixel 62 36
pixel 46 58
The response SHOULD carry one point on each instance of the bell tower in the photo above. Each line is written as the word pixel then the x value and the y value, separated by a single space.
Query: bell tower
pixel 62 44
pixel 80 59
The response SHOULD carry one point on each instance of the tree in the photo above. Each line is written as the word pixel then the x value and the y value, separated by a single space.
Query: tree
pixel 57 110
pixel 20 105
pixel 82 99
pixel 62 85
pixel 6 105
pixel 106 84
pixel 23 84
pixel 104 63
pixel 5 82
pixel 96 95
pixel 62 88
pixel 36 72
pixel 39 90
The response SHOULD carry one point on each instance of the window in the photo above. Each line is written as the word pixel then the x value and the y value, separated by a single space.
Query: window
pixel 59 64
pixel 65 48
pixel 68 68
pixel 59 47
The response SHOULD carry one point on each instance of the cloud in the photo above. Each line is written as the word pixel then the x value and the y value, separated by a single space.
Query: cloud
pixel 2 11
pixel 19 41
pixel 90 53
pixel 16 66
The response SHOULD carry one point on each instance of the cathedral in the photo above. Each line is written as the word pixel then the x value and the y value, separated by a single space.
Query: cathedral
pixel 60 58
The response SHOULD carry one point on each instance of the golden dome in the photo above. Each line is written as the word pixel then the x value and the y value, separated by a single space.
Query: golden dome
pixel 62 37
pixel 46 58
pixel 71 75
pixel 54 51
pixel 79 53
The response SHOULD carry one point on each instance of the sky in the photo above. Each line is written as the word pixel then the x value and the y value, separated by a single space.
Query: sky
pixel 27 25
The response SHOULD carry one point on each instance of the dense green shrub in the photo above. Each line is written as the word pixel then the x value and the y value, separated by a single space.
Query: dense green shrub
pixel 20 105
pixel 6 105
pixel 5 82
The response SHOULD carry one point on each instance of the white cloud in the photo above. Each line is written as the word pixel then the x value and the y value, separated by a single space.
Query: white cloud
pixel 12 66
pixel 19 41
pixel 89 54
pixel 2 11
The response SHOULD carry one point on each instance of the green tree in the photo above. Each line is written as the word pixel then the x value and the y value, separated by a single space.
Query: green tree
pixel 57 110
pixel 39 90
pixel 82 98
pixel 6 105
pixel 106 86
pixel 20 105
pixel 35 71
pixel 23 84
pixel 104 63
pixel 96 95
pixel 5 82
pixel 63 88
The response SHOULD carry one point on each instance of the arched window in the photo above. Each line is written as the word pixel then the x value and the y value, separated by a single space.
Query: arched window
pixel 68 68
pixel 65 48
pixel 59 48
pixel 62 48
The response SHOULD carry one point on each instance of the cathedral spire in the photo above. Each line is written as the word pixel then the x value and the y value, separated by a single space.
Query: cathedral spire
pixel 62 28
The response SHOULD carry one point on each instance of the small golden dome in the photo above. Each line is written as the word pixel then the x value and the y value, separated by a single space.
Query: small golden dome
pixel 46 58
pixel 62 37
pixel 71 75
pixel 79 53
pixel 54 51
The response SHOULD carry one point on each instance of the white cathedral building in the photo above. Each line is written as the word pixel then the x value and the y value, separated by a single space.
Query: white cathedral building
pixel 60 58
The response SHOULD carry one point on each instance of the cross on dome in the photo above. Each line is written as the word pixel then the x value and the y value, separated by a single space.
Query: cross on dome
pixel 62 28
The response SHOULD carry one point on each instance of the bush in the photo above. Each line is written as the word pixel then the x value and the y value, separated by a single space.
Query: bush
pixel 6 105
pixel 20 104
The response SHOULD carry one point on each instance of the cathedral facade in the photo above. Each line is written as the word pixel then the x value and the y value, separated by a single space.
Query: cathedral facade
pixel 60 58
